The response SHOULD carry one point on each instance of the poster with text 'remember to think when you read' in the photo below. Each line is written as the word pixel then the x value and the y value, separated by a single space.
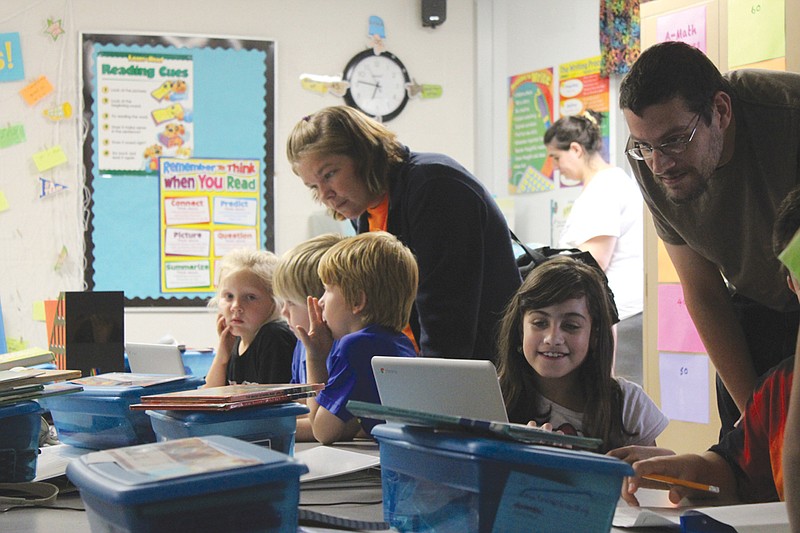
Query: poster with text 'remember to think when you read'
pixel 530 113
pixel 582 89
pixel 208 208
pixel 144 110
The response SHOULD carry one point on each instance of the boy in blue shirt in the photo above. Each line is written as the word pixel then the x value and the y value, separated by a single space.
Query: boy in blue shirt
pixel 370 283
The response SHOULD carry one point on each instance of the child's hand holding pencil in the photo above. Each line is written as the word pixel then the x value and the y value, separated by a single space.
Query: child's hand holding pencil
pixel 682 482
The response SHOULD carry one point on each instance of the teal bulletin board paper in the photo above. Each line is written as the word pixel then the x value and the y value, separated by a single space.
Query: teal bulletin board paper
pixel 14 134
pixel 3 347
pixel 231 119
pixel 790 256
pixel 12 67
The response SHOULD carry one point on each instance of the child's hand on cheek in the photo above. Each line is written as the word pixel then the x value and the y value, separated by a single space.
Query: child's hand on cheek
pixel 226 338
pixel 318 340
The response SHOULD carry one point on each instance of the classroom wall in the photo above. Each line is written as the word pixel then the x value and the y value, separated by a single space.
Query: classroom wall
pixel 312 36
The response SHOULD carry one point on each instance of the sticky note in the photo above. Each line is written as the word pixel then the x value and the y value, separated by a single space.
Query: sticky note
pixel 790 256
pixel 11 65
pixel 312 85
pixel 14 134
pixel 37 90
pixel 3 202
pixel 15 345
pixel 431 91
pixel 47 159
pixel 38 311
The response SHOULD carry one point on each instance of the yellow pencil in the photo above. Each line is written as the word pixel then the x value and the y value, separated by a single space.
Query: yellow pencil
pixel 675 481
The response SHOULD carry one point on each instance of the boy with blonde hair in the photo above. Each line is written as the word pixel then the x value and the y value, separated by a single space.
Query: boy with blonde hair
pixel 370 284
pixel 296 279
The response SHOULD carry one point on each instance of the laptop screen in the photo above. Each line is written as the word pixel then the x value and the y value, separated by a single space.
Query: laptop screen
pixel 155 358
pixel 457 387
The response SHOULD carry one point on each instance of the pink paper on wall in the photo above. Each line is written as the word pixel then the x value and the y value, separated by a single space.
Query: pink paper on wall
pixel 676 331
pixel 688 26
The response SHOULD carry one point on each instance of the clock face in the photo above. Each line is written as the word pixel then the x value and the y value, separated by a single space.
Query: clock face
pixel 377 84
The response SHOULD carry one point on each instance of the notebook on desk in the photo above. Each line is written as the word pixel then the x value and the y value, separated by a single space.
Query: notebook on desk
pixel 155 358
pixel 457 387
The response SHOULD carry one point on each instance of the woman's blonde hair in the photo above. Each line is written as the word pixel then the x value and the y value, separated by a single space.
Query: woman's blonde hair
pixel 260 263
pixel 343 130
pixel 296 276
pixel 379 267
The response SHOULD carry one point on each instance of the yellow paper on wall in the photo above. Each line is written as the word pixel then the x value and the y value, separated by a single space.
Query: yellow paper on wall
pixel 38 311
pixel 47 159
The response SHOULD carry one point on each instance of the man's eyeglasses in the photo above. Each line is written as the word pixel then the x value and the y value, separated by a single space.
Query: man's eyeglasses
pixel 644 151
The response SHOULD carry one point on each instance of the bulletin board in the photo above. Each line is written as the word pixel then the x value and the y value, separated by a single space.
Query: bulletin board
pixel 153 97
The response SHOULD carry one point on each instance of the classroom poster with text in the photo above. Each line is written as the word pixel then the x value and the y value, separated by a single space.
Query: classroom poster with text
pixel 580 89
pixel 183 98
pixel 144 109
pixel 530 113
pixel 208 208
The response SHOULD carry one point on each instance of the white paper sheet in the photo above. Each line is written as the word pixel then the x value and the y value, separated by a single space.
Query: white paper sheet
pixel 326 461
pixel 53 460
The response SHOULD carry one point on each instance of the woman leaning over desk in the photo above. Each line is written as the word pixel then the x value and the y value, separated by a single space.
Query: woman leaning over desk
pixel 358 169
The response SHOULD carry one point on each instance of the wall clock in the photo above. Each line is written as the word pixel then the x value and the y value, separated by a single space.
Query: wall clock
pixel 377 84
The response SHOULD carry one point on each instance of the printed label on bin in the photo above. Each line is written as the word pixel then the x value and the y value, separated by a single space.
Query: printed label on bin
pixel 172 459
pixel 550 504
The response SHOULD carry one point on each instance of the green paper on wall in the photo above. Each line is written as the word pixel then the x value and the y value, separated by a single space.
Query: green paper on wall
pixel 790 256
pixel 14 134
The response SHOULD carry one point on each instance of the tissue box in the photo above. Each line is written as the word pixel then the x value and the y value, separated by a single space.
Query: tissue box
pixel 198 484
pixel 444 481
pixel 19 441
pixel 99 417
pixel 273 426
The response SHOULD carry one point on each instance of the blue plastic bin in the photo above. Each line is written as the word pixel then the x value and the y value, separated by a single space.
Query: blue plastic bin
pixel 120 496
pixel 438 481
pixel 100 417
pixel 273 426
pixel 19 441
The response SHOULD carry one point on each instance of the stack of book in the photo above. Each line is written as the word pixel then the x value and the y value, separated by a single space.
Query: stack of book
pixel 33 383
pixel 229 397
pixel 26 357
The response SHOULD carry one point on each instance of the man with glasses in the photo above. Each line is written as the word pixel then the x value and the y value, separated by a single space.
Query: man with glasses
pixel 714 157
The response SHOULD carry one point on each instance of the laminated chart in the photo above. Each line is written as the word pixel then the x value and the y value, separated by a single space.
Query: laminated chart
pixel 143 109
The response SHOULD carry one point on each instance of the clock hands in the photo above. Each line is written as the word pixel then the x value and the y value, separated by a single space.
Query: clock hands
pixel 376 85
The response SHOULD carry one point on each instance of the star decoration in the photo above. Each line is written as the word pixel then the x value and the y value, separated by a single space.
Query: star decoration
pixel 54 28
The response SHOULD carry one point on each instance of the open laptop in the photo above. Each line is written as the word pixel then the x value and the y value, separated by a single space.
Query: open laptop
pixel 457 387
pixel 155 358
pixel 411 388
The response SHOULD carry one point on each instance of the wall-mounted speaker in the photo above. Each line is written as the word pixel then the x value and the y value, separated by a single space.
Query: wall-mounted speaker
pixel 434 12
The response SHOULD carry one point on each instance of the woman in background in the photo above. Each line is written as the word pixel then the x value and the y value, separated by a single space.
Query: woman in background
pixel 606 220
